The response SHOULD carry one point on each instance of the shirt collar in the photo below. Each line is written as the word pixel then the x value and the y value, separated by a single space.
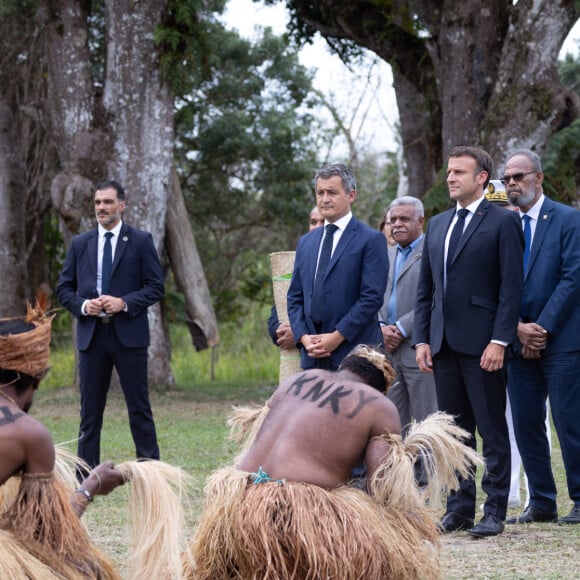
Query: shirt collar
pixel 115 231
pixel 412 245
pixel 534 211
pixel 472 207
pixel 342 222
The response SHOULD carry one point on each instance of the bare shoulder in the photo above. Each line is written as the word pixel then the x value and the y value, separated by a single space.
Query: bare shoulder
pixel 25 445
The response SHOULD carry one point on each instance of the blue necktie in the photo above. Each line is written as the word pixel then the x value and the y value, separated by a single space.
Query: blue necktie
pixel 402 255
pixel 456 235
pixel 527 239
pixel 316 310
pixel 107 264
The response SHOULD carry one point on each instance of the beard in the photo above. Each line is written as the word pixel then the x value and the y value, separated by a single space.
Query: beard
pixel 523 199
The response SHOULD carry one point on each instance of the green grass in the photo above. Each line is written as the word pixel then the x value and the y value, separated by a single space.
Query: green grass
pixel 193 435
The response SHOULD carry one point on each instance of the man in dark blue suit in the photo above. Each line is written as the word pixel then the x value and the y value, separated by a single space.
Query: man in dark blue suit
pixel 337 287
pixel 111 305
pixel 548 360
pixel 468 296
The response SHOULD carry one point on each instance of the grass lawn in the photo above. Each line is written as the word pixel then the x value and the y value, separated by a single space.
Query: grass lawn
pixel 192 434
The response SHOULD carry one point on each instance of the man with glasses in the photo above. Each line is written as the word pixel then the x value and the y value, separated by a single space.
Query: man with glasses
pixel 548 357
pixel 466 314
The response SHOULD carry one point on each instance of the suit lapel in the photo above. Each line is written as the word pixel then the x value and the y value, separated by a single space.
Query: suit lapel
pixel 93 250
pixel 415 255
pixel 475 222
pixel 348 234
pixel 544 219
pixel 124 237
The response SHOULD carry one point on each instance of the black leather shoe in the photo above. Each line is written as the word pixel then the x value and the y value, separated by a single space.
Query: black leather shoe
pixel 451 522
pixel 532 514
pixel 572 518
pixel 487 526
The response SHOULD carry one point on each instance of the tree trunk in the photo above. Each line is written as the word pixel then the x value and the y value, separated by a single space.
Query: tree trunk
pixel 466 73
pixel 188 272
pixel 122 130
pixel 12 217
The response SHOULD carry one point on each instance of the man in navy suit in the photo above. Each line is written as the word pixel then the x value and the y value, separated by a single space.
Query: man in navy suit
pixel 465 324
pixel 548 359
pixel 333 306
pixel 113 328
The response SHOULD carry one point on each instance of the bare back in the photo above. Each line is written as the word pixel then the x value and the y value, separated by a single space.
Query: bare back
pixel 25 444
pixel 318 428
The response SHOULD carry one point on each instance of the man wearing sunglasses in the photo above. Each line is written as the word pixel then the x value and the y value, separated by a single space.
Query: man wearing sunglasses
pixel 548 360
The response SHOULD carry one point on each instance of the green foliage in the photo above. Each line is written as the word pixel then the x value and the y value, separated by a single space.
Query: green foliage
pixel 245 156
pixel 561 159
pixel 569 72
pixel 245 358
pixel 184 41
pixel 560 163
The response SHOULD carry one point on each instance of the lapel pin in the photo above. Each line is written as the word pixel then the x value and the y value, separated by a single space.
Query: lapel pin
pixel 545 216
pixel 125 238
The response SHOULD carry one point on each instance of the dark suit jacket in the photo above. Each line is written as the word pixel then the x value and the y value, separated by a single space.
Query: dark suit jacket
pixel 136 277
pixel 354 286
pixel 552 280
pixel 484 284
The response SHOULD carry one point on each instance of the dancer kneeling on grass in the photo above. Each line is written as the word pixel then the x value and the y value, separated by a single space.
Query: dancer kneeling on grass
pixel 41 535
pixel 287 510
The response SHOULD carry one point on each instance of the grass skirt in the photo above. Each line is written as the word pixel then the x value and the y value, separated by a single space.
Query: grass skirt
pixel 296 530
pixel 41 523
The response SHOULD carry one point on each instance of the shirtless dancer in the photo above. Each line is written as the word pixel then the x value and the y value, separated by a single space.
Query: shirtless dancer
pixel 40 532
pixel 286 509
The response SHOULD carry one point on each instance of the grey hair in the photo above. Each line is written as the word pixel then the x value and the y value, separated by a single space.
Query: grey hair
pixel 345 173
pixel 408 200
pixel 533 157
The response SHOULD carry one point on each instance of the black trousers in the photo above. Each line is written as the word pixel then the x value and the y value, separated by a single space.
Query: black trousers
pixel 95 370
pixel 477 399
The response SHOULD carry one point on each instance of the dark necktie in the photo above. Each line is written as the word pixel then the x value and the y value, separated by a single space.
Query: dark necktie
pixel 317 307
pixel 456 235
pixel 527 239
pixel 107 264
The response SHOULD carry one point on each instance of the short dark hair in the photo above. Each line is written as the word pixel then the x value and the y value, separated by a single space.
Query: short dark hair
pixel 111 184
pixel 367 371
pixel 483 160
pixel 344 172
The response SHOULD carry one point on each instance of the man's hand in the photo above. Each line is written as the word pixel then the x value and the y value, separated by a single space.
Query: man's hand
pixel 532 335
pixel 530 353
pixel 104 304
pixel 492 357
pixel 103 479
pixel 321 345
pixel 423 358
pixel 285 338
pixel 391 336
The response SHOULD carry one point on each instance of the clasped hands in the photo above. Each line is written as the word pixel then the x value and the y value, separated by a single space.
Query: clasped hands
pixel 105 303
pixel 533 338
pixel 321 345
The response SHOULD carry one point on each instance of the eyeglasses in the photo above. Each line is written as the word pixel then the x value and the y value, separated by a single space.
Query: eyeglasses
pixel 516 176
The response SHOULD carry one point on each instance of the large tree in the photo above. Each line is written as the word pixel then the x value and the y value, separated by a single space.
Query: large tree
pixel 480 73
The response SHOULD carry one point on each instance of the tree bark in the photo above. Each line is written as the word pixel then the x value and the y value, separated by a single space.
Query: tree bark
pixel 122 130
pixel 465 73
pixel 188 272
pixel 12 217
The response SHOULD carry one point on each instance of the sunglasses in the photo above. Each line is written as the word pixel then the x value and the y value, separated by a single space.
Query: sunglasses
pixel 516 177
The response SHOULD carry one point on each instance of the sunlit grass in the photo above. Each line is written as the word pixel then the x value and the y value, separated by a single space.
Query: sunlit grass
pixel 246 356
